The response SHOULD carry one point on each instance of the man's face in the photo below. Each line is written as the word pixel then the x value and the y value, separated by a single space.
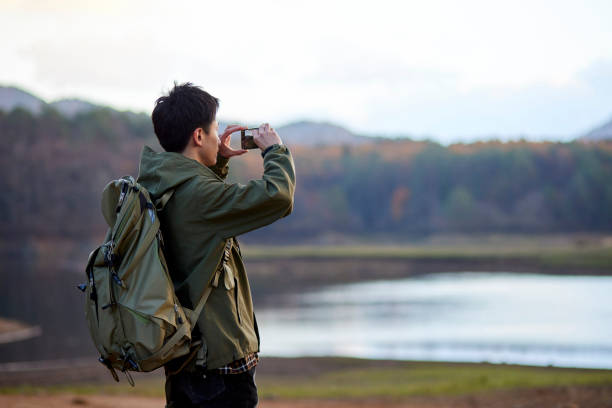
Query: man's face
pixel 210 144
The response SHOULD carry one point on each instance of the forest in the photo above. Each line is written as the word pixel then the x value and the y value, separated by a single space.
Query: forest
pixel 54 169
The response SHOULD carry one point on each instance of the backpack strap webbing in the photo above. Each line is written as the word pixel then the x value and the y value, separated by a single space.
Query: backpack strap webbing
pixel 162 353
pixel 161 202
pixel 195 314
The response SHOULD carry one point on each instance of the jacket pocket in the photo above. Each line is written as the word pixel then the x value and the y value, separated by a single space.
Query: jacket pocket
pixel 226 279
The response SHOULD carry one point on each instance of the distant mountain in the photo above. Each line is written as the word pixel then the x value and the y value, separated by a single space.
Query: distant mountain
pixel 72 107
pixel 319 133
pixel 602 132
pixel 11 98
pixel 309 133
pixel 300 133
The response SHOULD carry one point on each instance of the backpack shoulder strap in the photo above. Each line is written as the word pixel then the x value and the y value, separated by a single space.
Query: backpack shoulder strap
pixel 195 314
pixel 161 202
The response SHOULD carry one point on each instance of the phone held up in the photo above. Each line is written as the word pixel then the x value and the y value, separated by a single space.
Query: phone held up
pixel 246 139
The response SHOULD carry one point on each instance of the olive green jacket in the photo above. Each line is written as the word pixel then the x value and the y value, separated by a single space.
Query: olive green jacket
pixel 202 214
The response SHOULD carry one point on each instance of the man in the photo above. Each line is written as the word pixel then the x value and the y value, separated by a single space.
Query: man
pixel 199 225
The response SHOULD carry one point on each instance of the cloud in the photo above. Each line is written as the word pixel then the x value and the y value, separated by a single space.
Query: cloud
pixel 535 110
pixel 440 68
pixel 597 77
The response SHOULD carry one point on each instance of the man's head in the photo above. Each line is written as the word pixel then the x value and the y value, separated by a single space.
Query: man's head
pixel 186 118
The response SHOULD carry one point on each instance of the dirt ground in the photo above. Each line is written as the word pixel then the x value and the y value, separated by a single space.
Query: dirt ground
pixel 555 397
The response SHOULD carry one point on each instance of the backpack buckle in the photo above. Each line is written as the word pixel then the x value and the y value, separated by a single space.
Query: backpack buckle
pixel 110 258
pixel 106 362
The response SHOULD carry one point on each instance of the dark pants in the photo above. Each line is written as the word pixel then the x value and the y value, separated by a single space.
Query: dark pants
pixel 191 390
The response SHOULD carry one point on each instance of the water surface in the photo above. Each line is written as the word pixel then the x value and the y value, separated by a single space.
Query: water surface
pixel 473 317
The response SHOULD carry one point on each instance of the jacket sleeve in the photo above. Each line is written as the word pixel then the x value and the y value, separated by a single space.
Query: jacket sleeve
pixel 238 208
pixel 221 168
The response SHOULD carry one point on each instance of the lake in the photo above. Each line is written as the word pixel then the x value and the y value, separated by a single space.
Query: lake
pixel 469 317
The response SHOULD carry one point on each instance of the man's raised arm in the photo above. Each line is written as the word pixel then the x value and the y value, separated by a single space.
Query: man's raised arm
pixel 239 208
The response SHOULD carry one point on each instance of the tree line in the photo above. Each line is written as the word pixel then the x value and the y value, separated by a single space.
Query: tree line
pixel 54 169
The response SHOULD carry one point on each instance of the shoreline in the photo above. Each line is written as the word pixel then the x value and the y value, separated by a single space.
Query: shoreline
pixel 574 257
pixel 273 277
pixel 55 375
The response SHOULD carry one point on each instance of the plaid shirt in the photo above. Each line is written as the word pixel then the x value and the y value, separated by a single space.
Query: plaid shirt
pixel 240 366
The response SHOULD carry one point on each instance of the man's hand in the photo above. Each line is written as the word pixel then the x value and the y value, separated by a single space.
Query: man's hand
pixel 224 142
pixel 266 136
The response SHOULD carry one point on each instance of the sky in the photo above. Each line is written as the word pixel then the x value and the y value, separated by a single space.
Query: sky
pixel 448 70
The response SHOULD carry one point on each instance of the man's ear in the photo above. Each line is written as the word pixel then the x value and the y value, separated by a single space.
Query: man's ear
pixel 197 137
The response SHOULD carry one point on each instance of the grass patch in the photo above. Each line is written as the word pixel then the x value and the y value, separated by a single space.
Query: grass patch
pixel 357 378
pixel 143 388
pixel 427 379
pixel 597 258
pixel 568 256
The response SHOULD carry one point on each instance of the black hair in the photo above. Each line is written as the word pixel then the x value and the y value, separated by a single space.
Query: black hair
pixel 176 115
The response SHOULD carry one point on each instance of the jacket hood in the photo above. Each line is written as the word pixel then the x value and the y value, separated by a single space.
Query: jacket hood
pixel 159 172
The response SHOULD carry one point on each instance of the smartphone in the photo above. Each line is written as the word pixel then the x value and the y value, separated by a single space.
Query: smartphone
pixel 246 139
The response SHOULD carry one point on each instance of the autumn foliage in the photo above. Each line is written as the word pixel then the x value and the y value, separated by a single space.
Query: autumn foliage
pixel 54 169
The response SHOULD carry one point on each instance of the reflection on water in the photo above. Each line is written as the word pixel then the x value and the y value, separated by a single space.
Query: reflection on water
pixel 500 317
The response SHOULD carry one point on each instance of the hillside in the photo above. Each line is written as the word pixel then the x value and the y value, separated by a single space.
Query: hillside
pixel 72 107
pixel 319 134
pixel 55 166
pixel 603 132
pixel 11 98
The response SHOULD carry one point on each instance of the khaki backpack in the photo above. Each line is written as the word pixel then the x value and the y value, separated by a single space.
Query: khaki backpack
pixel 134 317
